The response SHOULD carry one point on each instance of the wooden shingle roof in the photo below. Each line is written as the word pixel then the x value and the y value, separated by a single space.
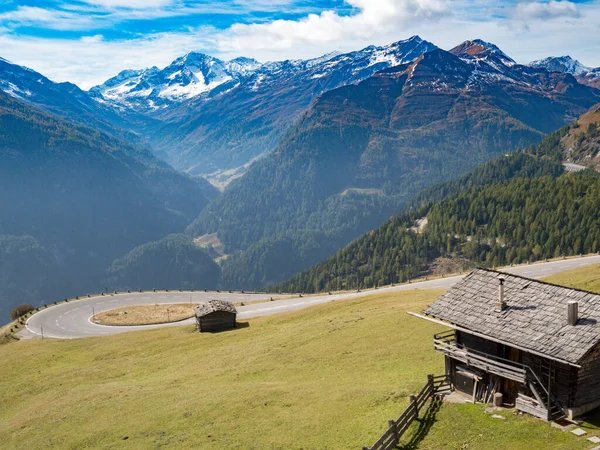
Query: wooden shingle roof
pixel 214 305
pixel 535 317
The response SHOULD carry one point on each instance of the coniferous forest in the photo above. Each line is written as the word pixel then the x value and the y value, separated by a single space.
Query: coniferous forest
pixel 515 222
pixel 515 209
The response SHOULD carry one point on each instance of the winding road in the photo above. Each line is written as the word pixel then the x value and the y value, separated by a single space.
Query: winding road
pixel 72 320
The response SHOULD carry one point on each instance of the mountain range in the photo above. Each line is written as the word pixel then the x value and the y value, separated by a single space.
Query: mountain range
pixel 362 151
pixel 65 100
pixel 310 154
pixel 212 118
pixel 217 116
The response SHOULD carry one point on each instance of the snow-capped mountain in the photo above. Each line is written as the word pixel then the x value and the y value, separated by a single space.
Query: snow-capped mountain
pixel 24 83
pixel 566 64
pixel 204 115
pixel 227 127
pixel 492 66
pixel 220 115
pixel 124 83
pixel 242 66
pixel 481 51
pixel 188 76
pixel 197 75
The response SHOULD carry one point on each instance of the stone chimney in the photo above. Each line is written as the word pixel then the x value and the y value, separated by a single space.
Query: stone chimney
pixel 572 312
pixel 501 305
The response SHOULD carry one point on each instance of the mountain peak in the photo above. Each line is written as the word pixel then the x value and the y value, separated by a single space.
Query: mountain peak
pixel 564 64
pixel 480 49
pixel 414 38
pixel 242 65
pixel 193 58
pixel 244 60
pixel 443 63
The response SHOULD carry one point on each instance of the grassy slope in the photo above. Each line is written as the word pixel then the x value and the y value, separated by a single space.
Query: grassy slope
pixel 324 378
pixel 469 427
pixel 327 377
pixel 587 278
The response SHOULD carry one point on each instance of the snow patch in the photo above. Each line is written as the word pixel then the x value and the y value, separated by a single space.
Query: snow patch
pixel 174 75
pixel 179 91
pixel 14 91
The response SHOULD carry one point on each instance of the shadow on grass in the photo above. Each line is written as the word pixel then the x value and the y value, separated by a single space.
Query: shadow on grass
pixel 591 420
pixel 425 422
pixel 238 326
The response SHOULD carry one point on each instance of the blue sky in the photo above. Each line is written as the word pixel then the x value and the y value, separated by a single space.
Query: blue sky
pixel 87 41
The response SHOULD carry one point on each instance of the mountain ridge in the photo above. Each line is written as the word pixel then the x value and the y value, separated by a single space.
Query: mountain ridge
pixel 565 64
pixel 213 118
pixel 65 100
pixel 378 143
pixel 237 68
pixel 238 122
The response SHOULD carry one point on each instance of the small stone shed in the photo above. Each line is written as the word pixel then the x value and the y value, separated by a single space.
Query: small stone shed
pixel 215 315
pixel 536 343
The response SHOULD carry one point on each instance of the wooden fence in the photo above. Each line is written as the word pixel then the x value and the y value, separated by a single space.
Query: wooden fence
pixel 396 428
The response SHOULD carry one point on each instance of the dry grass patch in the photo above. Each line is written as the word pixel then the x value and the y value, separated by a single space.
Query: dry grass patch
pixel 8 332
pixel 146 314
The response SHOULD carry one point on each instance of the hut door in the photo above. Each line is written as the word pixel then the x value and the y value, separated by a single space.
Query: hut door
pixel 510 388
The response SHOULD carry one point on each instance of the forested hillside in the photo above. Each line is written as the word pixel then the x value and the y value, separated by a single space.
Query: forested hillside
pixel 28 272
pixel 517 208
pixel 523 220
pixel 519 164
pixel 362 152
pixel 582 144
pixel 171 263
pixel 74 199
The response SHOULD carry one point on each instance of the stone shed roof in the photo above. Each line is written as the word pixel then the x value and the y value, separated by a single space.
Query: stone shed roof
pixel 214 305
pixel 535 317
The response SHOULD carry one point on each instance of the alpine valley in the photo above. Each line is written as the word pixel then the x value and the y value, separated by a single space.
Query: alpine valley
pixel 241 174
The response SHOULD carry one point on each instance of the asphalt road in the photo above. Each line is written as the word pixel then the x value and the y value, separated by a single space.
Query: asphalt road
pixel 72 319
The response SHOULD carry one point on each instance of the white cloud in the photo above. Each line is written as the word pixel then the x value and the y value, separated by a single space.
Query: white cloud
pixel 50 18
pixel 546 11
pixel 525 15
pixel 92 60
pixel 373 17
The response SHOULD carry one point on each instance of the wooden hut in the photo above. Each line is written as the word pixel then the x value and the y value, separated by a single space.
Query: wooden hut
pixel 536 343
pixel 215 315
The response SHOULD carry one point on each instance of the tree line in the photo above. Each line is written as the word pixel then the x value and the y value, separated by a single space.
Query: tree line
pixel 514 209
